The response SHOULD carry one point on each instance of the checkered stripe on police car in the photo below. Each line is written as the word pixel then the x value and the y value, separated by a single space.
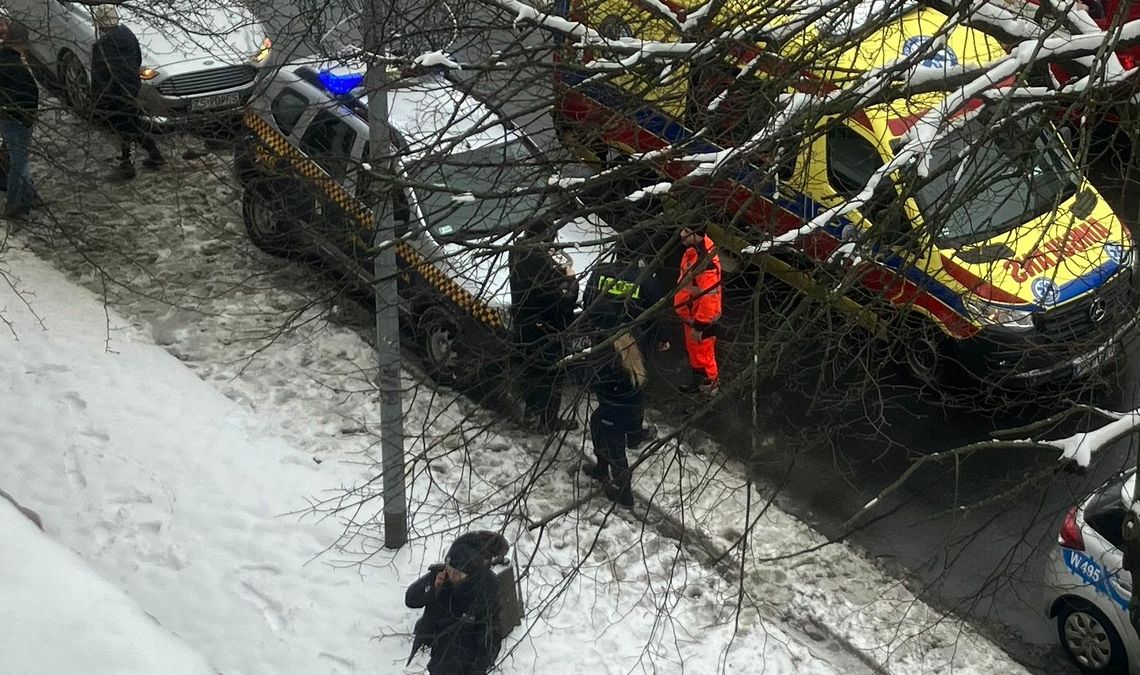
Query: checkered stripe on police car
pixel 277 144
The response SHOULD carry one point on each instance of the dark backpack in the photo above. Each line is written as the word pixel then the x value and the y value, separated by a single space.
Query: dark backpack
pixel 508 612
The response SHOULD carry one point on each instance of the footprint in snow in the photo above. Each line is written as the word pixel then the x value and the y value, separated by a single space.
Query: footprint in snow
pixel 73 470
pixel 270 608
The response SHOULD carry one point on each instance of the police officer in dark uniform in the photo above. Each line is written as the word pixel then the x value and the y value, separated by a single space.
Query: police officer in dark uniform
pixel 616 425
pixel 544 293
pixel 619 294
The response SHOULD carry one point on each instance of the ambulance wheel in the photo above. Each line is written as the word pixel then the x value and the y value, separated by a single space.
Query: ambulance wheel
pixel 439 335
pixel 925 352
pixel 267 229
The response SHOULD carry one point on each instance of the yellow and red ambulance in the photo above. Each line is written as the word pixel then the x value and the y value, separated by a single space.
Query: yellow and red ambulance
pixel 1006 260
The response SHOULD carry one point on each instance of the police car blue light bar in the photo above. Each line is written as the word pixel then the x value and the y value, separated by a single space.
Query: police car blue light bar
pixel 342 83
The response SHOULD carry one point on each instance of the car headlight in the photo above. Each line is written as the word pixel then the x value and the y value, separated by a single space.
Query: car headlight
pixel 999 315
pixel 148 73
pixel 263 52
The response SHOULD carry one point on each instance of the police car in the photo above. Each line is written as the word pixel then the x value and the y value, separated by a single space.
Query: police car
pixel 1086 588
pixel 468 184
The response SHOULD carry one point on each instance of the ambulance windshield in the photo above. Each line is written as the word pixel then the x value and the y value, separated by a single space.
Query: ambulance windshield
pixel 473 193
pixel 986 179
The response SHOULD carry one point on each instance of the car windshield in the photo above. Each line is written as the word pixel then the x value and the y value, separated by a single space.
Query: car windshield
pixel 491 189
pixel 985 180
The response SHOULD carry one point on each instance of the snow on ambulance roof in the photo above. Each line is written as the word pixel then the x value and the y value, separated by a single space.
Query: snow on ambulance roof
pixel 895 38
pixel 429 111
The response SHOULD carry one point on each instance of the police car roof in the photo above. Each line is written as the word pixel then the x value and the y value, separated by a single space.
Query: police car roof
pixel 430 112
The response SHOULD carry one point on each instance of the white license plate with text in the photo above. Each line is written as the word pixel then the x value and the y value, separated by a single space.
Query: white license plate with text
pixel 215 101
pixel 1090 362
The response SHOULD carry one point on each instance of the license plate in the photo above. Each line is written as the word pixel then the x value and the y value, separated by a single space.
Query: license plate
pixel 1093 360
pixel 215 101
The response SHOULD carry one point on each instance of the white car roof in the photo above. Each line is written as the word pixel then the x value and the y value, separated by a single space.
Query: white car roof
pixel 430 112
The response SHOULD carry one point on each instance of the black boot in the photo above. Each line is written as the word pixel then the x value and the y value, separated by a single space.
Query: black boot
pixel 623 488
pixel 154 158
pixel 598 472
pixel 123 172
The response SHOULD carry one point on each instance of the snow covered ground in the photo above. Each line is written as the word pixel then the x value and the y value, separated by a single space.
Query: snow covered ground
pixel 58 613
pixel 192 451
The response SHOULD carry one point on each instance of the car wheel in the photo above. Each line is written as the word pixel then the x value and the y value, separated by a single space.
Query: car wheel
pixel 440 338
pixel 76 85
pixel 267 230
pixel 924 356
pixel 1089 639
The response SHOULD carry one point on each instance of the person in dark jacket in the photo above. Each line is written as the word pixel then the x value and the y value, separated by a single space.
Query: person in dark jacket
pixel 116 59
pixel 19 103
pixel 617 297
pixel 544 292
pixel 616 423
pixel 460 600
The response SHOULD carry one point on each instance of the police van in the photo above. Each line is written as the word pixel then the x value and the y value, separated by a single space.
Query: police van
pixel 467 187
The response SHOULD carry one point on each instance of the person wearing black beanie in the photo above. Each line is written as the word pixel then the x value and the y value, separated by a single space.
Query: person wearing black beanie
pixel 460 601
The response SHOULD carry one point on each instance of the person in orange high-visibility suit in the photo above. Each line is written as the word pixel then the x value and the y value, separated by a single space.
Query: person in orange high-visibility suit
pixel 697 303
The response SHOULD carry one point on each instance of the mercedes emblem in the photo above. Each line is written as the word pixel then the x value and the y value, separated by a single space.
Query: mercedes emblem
pixel 1097 310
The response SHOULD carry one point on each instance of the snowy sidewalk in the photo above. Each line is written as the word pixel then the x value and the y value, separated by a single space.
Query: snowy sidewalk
pixel 59 616
pixel 175 492
pixel 175 486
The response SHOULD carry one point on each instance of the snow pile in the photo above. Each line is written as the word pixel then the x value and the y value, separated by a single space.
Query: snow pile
pixel 59 616
pixel 175 491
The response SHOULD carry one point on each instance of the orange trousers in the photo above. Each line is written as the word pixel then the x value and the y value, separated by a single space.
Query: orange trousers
pixel 702 354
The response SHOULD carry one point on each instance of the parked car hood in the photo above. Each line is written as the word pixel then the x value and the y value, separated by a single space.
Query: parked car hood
pixel 180 31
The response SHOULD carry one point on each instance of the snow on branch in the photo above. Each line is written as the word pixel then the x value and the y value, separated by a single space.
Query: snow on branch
pixel 436 59
pixel 1080 447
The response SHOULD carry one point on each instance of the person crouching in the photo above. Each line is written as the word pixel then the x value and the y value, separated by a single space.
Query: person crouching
pixel 619 385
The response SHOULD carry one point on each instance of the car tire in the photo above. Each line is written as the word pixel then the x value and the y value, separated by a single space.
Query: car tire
pixel 76 84
pixel 439 337
pixel 927 356
pixel 1089 639
pixel 267 229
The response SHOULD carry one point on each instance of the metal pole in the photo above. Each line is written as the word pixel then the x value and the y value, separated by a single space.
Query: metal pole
pixel 387 298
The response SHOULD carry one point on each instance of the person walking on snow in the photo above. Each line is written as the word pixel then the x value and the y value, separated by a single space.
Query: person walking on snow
pixel 616 424
pixel 19 103
pixel 697 302
pixel 116 59
pixel 460 601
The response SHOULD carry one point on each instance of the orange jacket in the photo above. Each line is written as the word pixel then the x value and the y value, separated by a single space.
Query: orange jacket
pixel 697 299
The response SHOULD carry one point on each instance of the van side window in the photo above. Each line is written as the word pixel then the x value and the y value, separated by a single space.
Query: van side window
pixel 287 109
pixel 328 141
pixel 851 160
